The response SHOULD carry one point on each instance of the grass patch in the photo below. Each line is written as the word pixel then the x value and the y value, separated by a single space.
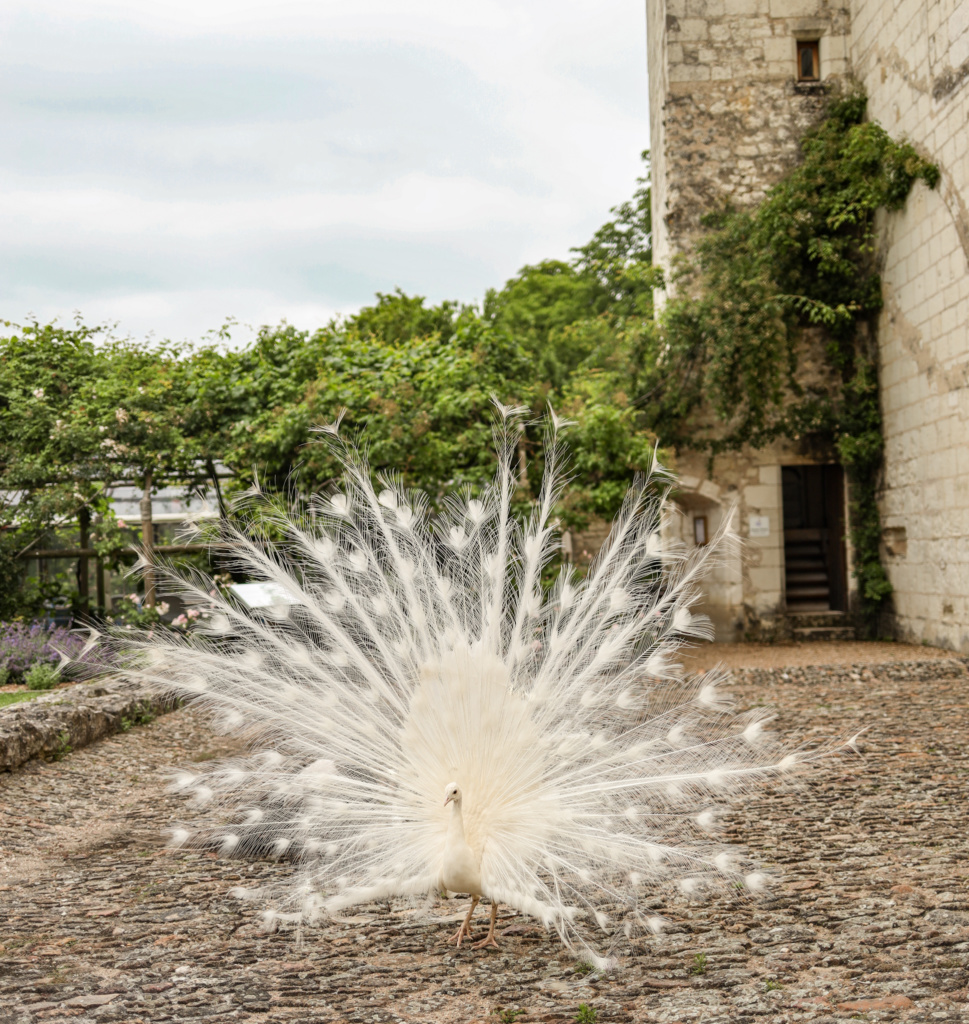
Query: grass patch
pixel 63 746
pixel 142 715
pixel 19 695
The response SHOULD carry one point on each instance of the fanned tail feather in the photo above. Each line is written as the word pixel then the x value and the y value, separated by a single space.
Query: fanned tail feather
pixel 417 650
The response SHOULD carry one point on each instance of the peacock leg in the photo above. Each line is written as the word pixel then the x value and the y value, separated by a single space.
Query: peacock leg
pixel 465 930
pixel 489 939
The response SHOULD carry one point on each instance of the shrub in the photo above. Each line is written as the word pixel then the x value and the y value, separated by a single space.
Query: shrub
pixel 23 646
pixel 42 676
pixel 130 612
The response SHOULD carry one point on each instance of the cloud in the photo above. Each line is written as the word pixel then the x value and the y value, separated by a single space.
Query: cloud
pixel 416 205
pixel 162 160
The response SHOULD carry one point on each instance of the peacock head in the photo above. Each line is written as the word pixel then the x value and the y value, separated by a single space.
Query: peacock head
pixel 451 792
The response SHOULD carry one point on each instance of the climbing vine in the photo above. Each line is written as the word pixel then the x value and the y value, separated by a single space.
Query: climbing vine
pixel 773 328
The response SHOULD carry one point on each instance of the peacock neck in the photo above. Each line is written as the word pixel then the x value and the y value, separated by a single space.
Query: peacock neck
pixel 455 827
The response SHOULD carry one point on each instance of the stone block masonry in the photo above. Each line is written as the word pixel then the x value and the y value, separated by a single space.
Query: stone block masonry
pixel 913 60
pixel 744 593
pixel 726 119
pixel 726 114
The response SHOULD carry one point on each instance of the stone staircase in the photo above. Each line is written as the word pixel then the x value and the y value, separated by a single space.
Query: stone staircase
pixel 820 625
pixel 807 585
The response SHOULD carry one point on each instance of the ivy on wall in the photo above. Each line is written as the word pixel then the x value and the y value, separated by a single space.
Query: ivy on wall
pixel 759 283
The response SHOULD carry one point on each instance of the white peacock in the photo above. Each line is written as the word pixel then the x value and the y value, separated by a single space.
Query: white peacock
pixel 429 717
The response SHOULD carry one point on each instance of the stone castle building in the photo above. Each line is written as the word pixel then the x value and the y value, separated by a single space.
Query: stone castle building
pixel 733 86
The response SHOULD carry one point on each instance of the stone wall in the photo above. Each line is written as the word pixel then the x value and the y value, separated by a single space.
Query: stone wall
pixel 72 717
pixel 913 58
pixel 726 117
pixel 744 594
pixel 726 113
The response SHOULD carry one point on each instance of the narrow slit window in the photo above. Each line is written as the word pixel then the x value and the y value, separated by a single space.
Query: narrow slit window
pixel 808 64
pixel 700 531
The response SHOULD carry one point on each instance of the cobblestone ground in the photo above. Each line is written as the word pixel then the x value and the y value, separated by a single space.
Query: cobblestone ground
pixel 868 916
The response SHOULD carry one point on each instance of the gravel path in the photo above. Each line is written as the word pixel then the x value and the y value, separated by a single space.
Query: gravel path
pixel 868 916
pixel 784 655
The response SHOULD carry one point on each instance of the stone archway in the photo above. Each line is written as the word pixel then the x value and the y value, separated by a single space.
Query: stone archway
pixel 705 512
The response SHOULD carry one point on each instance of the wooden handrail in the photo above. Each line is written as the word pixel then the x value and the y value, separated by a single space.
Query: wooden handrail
pixel 161 549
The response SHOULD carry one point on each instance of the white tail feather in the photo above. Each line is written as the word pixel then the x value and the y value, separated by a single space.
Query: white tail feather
pixel 420 652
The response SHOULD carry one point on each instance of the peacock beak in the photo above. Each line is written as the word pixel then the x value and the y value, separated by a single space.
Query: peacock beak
pixel 449 799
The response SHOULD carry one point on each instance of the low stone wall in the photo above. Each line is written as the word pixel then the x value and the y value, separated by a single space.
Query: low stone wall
pixel 73 717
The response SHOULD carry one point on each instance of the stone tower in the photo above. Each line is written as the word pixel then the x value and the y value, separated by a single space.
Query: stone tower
pixel 733 85
pixel 727 106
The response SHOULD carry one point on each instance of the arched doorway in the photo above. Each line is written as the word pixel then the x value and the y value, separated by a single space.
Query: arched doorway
pixel 814 530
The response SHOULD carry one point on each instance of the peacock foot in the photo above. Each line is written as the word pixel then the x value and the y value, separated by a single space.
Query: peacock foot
pixel 464 932
pixel 489 939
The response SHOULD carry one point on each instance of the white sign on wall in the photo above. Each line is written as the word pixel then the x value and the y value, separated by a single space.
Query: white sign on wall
pixel 760 526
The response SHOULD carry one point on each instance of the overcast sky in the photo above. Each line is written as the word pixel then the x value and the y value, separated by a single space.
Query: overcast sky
pixel 168 163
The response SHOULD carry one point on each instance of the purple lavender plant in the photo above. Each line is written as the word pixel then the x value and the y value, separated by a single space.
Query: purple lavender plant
pixel 23 645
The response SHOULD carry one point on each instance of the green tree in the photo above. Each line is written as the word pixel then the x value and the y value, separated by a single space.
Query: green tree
pixel 619 256
pixel 423 403
pixel 80 411
pixel 399 317
pixel 547 306
pixel 538 307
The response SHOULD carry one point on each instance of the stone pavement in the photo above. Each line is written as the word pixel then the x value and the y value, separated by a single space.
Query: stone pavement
pixel 867 916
